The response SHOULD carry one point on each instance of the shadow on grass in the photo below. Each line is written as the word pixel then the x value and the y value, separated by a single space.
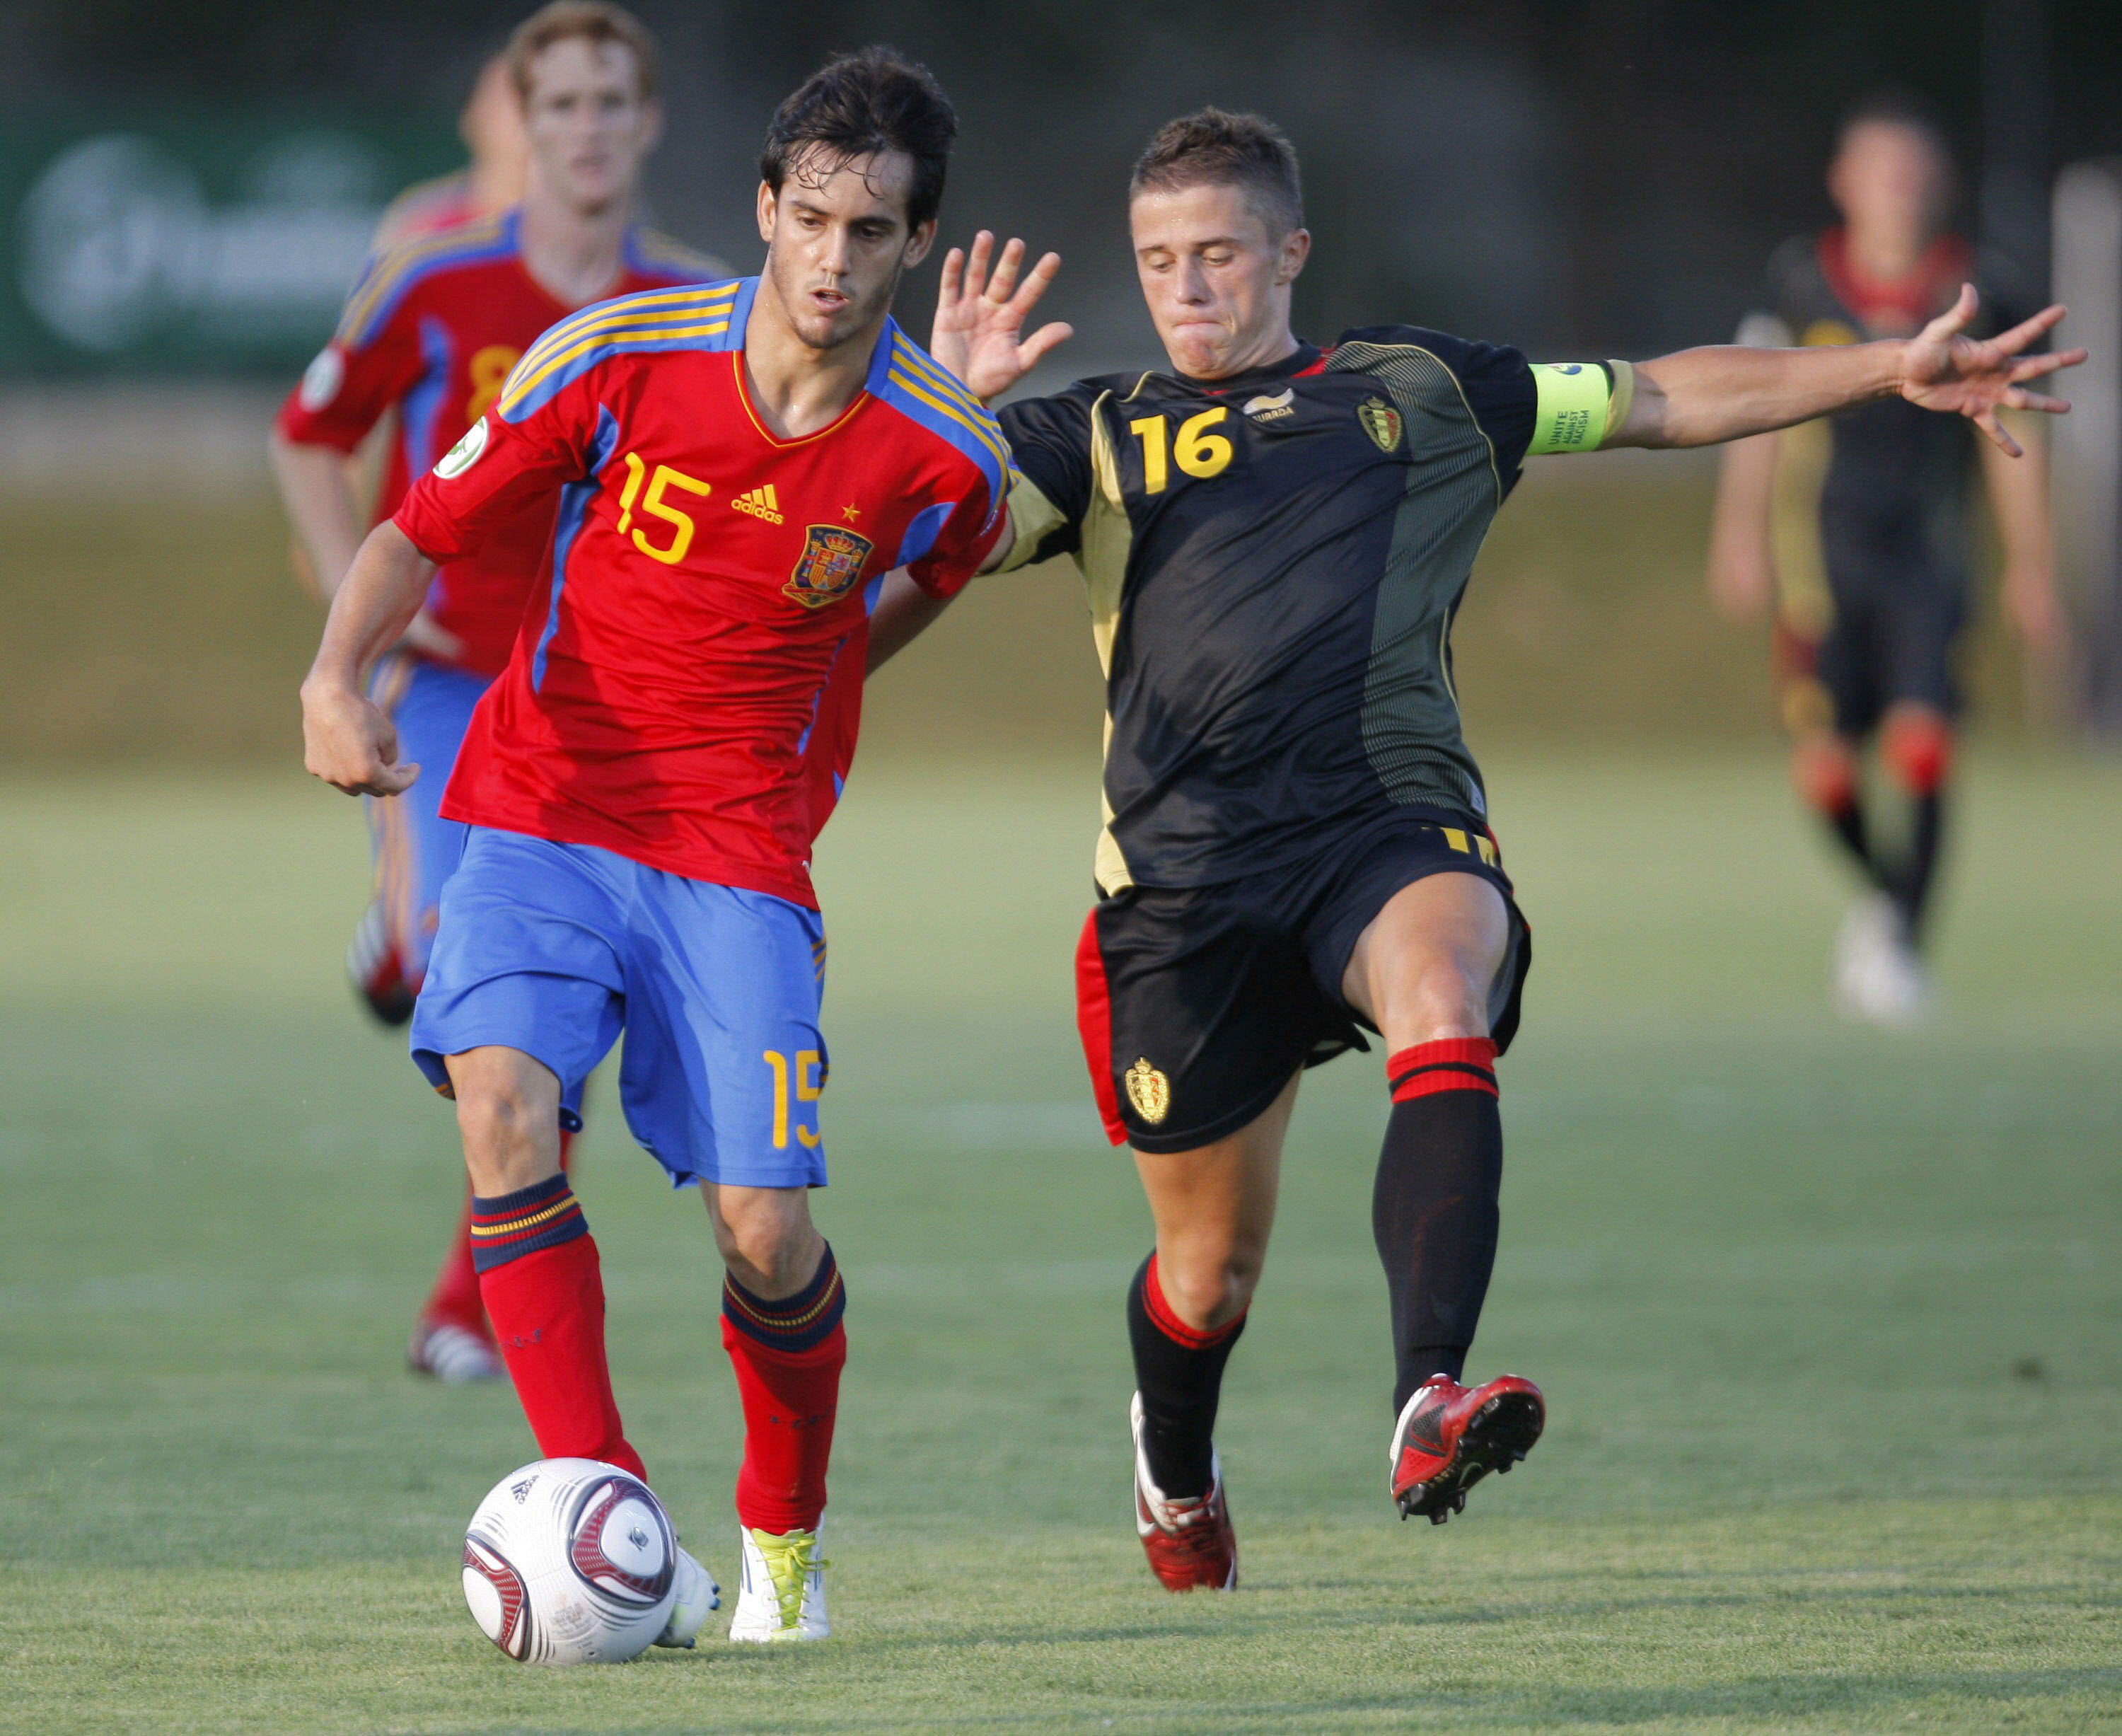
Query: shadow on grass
pixel 1770 1701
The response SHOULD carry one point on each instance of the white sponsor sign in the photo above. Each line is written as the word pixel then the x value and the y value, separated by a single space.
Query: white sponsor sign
pixel 121 245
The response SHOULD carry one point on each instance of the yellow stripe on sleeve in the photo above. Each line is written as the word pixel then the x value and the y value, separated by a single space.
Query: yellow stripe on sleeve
pixel 673 303
pixel 986 433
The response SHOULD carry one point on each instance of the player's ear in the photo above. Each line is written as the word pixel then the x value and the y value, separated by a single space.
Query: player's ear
pixel 918 243
pixel 652 124
pixel 767 204
pixel 1296 249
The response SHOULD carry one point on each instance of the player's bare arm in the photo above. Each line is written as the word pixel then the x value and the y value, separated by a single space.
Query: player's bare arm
pixel 2019 496
pixel 1700 397
pixel 318 492
pixel 982 304
pixel 1741 560
pixel 346 739
pixel 904 612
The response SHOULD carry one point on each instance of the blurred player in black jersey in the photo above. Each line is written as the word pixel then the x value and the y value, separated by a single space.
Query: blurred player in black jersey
pixel 1859 524
pixel 1276 536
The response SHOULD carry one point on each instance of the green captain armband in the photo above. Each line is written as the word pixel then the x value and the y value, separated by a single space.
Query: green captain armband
pixel 1578 404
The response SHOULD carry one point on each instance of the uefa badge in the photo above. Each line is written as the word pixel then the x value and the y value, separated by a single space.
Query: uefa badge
pixel 465 454
pixel 1381 422
pixel 321 380
pixel 1149 1091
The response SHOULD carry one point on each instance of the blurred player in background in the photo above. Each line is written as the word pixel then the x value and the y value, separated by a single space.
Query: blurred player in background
pixel 493 180
pixel 734 469
pixel 430 332
pixel 1276 538
pixel 1859 526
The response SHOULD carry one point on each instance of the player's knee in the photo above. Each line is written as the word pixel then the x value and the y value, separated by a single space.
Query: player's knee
pixel 1210 1287
pixel 1825 772
pixel 764 1235
pixel 495 1123
pixel 1917 745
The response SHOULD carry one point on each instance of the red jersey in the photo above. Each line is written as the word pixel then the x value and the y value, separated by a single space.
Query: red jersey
pixel 432 328
pixel 703 613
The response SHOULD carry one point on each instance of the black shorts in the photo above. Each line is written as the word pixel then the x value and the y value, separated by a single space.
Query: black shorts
pixel 1197 1004
pixel 1880 651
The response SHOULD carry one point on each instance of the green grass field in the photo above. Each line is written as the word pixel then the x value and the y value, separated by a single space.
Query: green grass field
pixel 1827 1320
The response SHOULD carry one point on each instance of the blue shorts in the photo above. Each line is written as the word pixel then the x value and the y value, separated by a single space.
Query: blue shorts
pixel 415 849
pixel 554 949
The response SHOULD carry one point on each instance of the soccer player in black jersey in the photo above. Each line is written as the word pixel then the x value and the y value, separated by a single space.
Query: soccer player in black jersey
pixel 1276 536
pixel 1858 523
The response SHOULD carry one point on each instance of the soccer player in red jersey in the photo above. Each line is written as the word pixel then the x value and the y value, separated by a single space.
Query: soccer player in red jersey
pixel 430 332
pixel 736 467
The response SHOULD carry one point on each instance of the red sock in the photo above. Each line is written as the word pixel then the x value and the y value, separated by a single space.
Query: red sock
pixel 456 1297
pixel 788 1355
pixel 548 1312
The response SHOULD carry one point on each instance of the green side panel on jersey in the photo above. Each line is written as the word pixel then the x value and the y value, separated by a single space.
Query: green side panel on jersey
pixel 1571 416
pixel 1411 727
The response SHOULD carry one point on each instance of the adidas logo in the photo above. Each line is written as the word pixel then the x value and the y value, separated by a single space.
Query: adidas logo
pixel 761 503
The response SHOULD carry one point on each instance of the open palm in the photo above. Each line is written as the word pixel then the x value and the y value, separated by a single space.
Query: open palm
pixel 979 333
pixel 1944 369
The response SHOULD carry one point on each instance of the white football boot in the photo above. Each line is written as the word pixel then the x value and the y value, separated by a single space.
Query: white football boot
pixel 1879 980
pixel 453 1355
pixel 697 1594
pixel 782 1592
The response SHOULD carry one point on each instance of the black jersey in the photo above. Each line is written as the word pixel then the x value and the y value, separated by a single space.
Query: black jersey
pixel 1274 562
pixel 1885 485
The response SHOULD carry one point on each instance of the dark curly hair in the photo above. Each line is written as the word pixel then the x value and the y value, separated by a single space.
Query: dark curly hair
pixel 861 105
pixel 1214 146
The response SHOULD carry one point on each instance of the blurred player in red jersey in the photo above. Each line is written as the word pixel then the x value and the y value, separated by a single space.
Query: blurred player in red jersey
pixel 430 332
pixel 736 467
pixel 495 179
pixel 1858 523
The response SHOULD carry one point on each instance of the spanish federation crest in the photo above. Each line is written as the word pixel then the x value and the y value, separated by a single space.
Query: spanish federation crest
pixel 829 567
pixel 1381 422
pixel 1149 1091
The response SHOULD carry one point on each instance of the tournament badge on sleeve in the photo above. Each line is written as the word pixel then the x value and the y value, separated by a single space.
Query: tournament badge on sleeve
pixel 829 567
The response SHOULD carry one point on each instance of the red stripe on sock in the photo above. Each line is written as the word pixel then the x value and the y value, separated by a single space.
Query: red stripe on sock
pixel 1162 1317
pixel 1450 1063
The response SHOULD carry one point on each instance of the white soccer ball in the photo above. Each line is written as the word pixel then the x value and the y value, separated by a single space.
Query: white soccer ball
pixel 569 1561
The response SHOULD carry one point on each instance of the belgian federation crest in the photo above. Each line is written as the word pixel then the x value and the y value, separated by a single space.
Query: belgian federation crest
pixel 1381 422
pixel 1149 1091
pixel 829 567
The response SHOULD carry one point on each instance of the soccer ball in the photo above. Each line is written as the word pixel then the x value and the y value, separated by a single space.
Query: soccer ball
pixel 569 1561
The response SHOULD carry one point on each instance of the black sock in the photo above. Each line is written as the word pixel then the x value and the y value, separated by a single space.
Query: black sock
pixel 1434 1210
pixel 1911 886
pixel 1180 1374
pixel 1848 824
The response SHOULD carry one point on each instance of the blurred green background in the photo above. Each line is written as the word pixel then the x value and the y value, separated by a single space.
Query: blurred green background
pixel 159 623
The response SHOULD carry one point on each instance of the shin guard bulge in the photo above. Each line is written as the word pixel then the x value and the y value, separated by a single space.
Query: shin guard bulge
pixel 1179 1371
pixel 455 1298
pixel 788 1356
pixel 1433 1211
pixel 538 1276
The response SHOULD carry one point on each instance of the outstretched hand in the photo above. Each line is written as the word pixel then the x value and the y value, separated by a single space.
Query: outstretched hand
pixel 980 317
pixel 1944 369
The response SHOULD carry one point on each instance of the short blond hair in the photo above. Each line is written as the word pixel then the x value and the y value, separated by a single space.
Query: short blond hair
pixel 594 21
